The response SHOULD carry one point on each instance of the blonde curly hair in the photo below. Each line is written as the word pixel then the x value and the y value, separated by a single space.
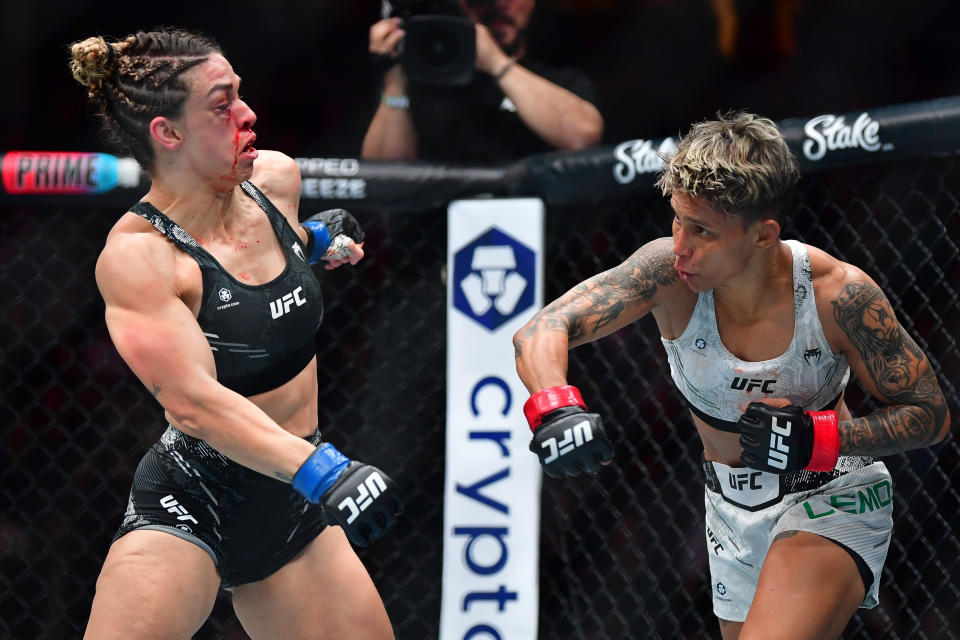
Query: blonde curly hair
pixel 739 163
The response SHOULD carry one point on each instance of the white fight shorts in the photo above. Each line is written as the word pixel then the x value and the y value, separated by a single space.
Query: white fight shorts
pixel 746 509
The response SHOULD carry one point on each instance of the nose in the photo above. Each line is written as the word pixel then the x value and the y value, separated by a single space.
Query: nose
pixel 681 248
pixel 246 118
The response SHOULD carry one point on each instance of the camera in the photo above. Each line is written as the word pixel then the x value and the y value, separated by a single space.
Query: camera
pixel 440 45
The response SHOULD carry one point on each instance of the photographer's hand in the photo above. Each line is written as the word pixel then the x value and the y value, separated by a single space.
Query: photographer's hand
pixel 384 37
pixel 490 57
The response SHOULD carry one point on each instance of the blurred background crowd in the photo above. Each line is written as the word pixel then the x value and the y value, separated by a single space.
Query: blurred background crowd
pixel 657 64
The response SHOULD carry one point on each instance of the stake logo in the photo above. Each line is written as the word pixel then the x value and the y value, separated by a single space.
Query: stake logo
pixel 635 157
pixel 493 278
pixel 830 133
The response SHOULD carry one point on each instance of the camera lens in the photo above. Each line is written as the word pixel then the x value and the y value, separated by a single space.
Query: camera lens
pixel 437 48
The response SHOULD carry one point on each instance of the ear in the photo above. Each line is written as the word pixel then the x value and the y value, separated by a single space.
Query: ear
pixel 165 133
pixel 767 233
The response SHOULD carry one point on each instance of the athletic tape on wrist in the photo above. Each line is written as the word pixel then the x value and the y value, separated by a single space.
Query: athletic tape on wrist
pixel 319 472
pixel 543 402
pixel 321 239
pixel 826 441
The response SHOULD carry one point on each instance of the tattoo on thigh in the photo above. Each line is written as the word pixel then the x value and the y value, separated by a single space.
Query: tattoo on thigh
pixel 785 535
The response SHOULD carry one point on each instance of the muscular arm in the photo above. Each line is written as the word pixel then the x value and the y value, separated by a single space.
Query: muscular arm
pixel 159 338
pixel 592 309
pixel 894 369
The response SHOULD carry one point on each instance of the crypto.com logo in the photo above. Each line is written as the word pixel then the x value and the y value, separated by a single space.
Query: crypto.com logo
pixel 493 278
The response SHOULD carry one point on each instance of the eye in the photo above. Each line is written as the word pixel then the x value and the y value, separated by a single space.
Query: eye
pixel 701 231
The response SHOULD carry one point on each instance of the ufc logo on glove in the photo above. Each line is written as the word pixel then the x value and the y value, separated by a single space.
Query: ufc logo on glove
pixel 779 449
pixel 787 439
pixel 567 439
pixel 572 438
pixel 373 485
pixel 332 480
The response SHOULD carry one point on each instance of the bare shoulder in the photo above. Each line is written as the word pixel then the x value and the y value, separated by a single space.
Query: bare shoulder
pixel 655 259
pixel 278 176
pixel 846 298
pixel 651 273
pixel 135 262
pixel 832 276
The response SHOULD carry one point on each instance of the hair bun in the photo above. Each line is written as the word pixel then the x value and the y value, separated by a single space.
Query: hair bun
pixel 93 60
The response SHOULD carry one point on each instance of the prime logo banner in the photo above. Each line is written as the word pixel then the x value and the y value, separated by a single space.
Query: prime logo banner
pixel 492 485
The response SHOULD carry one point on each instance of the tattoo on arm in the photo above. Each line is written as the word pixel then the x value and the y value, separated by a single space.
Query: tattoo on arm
pixel 154 390
pixel 899 371
pixel 594 304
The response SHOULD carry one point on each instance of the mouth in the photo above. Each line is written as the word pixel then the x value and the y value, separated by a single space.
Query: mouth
pixel 684 275
pixel 248 150
pixel 499 22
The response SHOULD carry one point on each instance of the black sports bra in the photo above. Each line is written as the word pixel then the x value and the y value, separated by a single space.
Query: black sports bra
pixel 261 335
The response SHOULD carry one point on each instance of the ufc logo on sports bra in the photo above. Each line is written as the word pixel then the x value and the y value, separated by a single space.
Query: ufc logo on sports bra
pixel 371 488
pixel 282 305
pixel 749 384
pixel 778 448
pixel 572 438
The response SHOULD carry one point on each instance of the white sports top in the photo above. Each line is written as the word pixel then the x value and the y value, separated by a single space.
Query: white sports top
pixel 718 386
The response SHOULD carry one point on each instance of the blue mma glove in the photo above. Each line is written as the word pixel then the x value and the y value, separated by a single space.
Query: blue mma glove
pixel 359 497
pixel 332 231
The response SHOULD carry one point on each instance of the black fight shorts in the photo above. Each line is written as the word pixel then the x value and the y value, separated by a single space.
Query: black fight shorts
pixel 249 523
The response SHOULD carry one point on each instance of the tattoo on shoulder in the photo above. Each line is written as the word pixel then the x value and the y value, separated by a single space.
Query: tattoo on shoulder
pixel 154 390
pixel 596 303
pixel 898 369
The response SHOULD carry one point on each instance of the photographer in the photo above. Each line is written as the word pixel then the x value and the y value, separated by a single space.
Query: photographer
pixel 512 107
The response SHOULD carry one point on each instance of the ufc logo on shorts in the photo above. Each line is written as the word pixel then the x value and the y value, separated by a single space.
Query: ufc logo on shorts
pixel 372 487
pixel 740 480
pixel 572 438
pixel 778 448
pixel 170 504
pixel 282 305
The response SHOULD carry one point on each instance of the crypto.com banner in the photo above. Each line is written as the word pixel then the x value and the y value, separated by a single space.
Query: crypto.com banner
pixel 492 487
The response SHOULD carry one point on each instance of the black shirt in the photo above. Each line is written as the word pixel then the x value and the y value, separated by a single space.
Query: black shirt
pixel 477 124
pixel 261 335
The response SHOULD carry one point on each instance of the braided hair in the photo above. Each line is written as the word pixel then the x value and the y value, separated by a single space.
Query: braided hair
pixel 135 79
